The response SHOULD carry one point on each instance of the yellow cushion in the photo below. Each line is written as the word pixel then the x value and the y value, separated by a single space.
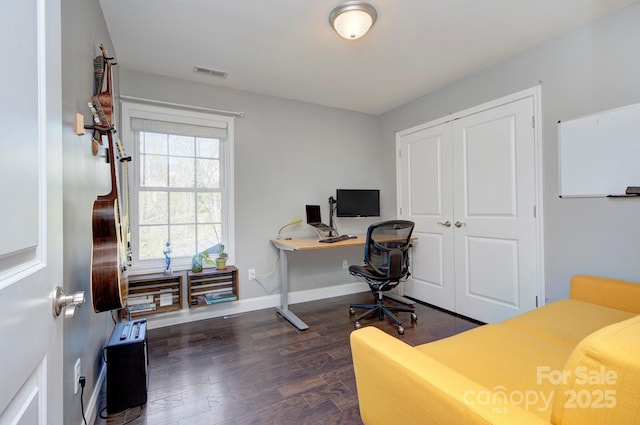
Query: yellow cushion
pixel 503 359
pixel 613 293
pixel 397 384
pixel 567 322
pixel 602 383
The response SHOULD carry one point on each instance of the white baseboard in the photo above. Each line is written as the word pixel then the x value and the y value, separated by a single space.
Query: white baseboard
pixel 251 304
pixel 91 408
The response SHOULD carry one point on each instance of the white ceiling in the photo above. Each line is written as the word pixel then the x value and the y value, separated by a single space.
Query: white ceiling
pixel 286 48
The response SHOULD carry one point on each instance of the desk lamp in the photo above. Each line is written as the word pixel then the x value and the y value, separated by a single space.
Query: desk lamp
pixel 295 220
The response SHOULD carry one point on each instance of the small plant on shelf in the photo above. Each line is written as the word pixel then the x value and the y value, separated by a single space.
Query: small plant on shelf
pixel 199 260
pixel 221 261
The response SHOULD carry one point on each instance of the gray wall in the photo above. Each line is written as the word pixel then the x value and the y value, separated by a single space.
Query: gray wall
pixel 591 69
pixel 85 177
pixel 287 154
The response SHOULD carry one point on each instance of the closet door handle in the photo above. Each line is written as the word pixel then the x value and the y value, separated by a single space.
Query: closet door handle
pixel 445 224
pixel 459 224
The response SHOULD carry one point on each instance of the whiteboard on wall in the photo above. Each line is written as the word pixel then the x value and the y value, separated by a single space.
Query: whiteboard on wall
pixel 599 155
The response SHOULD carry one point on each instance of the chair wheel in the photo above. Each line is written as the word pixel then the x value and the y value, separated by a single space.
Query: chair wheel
pixel 414 317
pixel 352 312
pixel 357 325
pixel 400 330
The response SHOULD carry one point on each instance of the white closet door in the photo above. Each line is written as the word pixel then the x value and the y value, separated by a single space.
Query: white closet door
pixel 424 187
pixel 494 204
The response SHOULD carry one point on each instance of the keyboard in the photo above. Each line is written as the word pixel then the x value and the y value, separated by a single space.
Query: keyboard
pixel 337 239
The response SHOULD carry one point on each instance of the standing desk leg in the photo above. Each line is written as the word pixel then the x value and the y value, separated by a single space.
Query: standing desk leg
pixel 284 294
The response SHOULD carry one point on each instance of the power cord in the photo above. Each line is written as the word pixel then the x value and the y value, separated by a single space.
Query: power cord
pixel 267 275
pixel 82 381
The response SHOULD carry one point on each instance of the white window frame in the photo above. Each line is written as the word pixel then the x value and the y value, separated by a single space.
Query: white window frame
pixel 132 110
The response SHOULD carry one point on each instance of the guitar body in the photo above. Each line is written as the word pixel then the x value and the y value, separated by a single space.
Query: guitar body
pixel 109 282
pixel 107 104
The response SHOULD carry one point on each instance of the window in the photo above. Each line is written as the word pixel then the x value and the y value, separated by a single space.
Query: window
pixel 181 186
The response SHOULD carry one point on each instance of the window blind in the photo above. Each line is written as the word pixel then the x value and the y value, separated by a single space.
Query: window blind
pixel 216 130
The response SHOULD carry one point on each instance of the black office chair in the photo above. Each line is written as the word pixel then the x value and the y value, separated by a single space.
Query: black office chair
pixel 386 263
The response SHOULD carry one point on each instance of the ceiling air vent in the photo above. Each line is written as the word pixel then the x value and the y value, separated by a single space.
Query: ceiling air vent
pixel 211 72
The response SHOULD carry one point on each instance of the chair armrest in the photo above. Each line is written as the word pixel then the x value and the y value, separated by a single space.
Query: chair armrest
pixel 612 293
pixel 398 384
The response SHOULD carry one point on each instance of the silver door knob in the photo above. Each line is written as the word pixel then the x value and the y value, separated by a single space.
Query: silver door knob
pixel 68 303
pixel 459 224
pixel 445 224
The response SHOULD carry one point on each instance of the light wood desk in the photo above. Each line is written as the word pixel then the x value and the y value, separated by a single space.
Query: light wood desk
pixel 302 244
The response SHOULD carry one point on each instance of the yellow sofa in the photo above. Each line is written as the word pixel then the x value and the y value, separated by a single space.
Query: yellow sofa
pixel 572 362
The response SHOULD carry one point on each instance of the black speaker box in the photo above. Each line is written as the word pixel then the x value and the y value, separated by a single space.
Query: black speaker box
pixel 127 362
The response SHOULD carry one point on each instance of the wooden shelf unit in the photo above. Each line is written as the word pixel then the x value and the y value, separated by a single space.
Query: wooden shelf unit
pixel 211 281
pixel 157 288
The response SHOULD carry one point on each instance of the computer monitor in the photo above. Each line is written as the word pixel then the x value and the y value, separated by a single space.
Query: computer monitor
pixel 358 203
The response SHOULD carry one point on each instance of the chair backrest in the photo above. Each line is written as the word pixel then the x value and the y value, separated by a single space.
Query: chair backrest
pixel 387 248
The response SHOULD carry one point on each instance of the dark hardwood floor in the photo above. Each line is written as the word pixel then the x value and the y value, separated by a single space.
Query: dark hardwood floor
pixel 256 368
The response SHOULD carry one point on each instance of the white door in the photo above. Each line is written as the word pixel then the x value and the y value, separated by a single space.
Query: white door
pixel 494 203
pixel 31 212
pixel 426 197
pixel 469 184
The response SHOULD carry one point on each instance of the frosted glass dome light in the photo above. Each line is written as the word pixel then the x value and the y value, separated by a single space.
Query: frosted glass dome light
pixel 353 19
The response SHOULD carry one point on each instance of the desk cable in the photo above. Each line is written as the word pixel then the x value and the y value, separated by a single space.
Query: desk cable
pixel 267 275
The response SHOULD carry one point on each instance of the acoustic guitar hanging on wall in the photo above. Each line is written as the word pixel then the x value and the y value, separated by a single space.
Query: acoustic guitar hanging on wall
pixel 109 282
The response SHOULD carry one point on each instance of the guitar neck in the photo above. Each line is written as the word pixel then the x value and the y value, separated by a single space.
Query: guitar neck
pixel 98 74
pixel 113 195
pixel 105 96
pixel 124 201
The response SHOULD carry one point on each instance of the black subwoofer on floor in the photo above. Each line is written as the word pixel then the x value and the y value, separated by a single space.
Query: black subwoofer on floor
pixel 126 357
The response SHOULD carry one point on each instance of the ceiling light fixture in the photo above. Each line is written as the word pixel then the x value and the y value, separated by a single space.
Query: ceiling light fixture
pixel 352 19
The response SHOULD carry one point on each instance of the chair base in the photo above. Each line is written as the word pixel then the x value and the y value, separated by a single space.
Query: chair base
pixel 382 310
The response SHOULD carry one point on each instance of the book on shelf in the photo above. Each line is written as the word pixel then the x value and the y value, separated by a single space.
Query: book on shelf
pixel 138 308
pixel 219 297
pixel 140 299
pixel 166 297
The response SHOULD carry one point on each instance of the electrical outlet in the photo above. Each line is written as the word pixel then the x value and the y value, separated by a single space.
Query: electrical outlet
pixel 345 264
pixel 252 274
pixel 76 376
